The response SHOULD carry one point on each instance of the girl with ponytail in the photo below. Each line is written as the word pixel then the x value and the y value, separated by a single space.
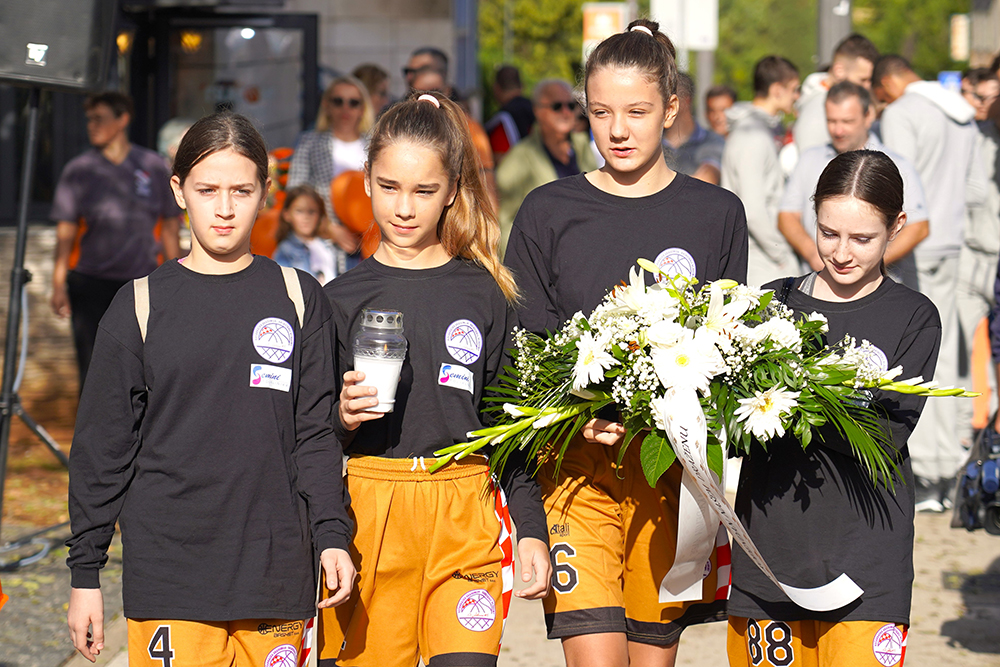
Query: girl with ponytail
pixel 436 537
pixel 571 241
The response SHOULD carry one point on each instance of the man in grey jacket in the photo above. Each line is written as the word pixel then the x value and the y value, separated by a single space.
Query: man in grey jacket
pixel 751 170
pixel 932 127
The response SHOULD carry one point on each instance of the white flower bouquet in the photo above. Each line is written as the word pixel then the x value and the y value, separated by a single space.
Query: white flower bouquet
pixel 725 359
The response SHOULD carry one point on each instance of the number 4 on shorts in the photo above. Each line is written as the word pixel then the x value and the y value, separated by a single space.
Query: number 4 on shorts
pixel 159 646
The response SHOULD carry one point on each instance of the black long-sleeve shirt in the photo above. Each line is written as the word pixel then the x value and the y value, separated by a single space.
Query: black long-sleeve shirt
pixel 212 444
pixel 458 326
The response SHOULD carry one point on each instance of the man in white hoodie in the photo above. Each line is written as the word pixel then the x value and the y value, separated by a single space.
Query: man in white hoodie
pixel 932 127
pixel 853 60
pixel 751 170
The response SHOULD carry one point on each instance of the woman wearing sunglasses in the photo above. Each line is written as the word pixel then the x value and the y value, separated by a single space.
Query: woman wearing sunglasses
pixel 552 150
pixel 337 144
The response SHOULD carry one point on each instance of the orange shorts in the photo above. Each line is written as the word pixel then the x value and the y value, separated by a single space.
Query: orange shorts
pixel 436 562
pixel 612 539
pixel 245 643
pixel 767 643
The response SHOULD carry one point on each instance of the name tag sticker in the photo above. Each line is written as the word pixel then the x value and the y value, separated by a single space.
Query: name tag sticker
pixel 459 377
pixel 270 377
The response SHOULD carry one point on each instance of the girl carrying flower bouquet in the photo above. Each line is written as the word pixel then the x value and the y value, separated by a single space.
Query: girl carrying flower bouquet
pixel 612 537
pixel 815 512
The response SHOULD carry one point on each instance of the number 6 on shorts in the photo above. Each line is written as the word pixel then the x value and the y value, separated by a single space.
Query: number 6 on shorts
pixel 564 575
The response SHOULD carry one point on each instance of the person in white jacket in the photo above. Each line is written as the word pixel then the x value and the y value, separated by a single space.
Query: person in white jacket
pixel 853 60
pixel 751 170
pixel 933 128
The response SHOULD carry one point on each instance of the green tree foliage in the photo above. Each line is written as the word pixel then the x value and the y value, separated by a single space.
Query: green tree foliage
pixel 752 29
pixel 543 39
pixel 918 31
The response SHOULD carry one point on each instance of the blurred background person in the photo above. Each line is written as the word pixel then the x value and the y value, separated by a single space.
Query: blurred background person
pixel 977 263
pixel 376 82
pixel 338 144
pixel 718 100
pixel 687 146
pixel 850 114
pixel 516 116
pixel 933 128
pixel 853 60
pixel 751 170
pixel 980 88
pixel 120 192
pixel 427 71
pixel 552 150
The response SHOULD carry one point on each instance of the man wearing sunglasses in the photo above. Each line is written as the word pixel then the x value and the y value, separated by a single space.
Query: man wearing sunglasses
pixel 552 150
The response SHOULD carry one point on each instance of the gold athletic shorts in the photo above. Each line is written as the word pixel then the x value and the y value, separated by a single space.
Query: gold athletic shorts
pixel 435 556
pixel 612 539
pixel 767 643
pixel 245 643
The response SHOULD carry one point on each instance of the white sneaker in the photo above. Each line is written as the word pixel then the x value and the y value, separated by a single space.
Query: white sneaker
pixel 929 505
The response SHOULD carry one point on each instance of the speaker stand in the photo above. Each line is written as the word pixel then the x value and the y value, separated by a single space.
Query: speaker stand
pixel 10 402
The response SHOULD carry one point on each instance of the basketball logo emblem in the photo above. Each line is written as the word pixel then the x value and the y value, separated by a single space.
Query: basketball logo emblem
pixel 274 338
pixel 464 341
pixel 888 645
pixel 477 610
pixel 876 360
pixel 676 262
pixel 283 656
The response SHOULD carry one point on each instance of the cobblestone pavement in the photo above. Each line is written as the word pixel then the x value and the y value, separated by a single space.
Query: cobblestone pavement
pixel 955 619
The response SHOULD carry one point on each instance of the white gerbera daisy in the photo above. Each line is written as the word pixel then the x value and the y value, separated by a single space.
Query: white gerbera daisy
pixel 781 331
pixel 690 364
pixel 763 413
pixel 591 361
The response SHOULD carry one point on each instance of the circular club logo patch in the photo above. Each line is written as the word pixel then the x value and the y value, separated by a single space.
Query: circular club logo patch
pixel 464 341
pixel 273 338
pixel 476 610
pixel 888 645
pixel 676 262
pixel 283 656
pixel 876 359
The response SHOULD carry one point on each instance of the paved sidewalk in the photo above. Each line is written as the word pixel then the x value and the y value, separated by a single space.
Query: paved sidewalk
pixel 955 618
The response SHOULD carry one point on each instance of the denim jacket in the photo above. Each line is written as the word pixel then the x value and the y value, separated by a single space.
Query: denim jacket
pixel 294 253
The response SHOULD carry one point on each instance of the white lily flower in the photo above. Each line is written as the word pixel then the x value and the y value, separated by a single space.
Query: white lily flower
pixel 547 420
pixel 892 373
pixel 764 411
pixel 818 317
pixel 722 318
pixel 591 361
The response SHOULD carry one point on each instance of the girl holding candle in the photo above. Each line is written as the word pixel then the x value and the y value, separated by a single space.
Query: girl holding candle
pixel 571 240
pixel 436 537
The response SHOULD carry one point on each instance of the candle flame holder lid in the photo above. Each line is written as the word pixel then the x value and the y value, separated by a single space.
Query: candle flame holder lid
pixel 387 320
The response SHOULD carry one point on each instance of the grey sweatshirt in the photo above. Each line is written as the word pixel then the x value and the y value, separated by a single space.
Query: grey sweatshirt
pixel 751 170
pixel 982 230
pixel 932 127
pixel 810 124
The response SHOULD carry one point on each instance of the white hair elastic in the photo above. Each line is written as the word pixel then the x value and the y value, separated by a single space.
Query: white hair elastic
pixel 642 28
pixel 430 98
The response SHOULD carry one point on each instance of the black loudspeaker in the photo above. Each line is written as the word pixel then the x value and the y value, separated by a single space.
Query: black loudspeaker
pixel 64 44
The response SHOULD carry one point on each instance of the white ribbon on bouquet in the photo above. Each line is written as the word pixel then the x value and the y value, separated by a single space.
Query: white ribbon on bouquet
pixel 702 504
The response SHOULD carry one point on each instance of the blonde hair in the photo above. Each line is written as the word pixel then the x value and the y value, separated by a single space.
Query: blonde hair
pixel 367 113
pixel 468 228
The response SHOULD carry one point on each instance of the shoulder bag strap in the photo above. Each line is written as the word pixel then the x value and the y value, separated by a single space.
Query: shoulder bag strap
pixel 294 289
pixel 140 286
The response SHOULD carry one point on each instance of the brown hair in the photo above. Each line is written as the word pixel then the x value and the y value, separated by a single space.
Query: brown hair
pixel 654 56
pixel 304 190
pixel 870 176
pixel 119 103
pixel 856 46
pixel 370 74
pixel 367 112
pixel 468 228
pixel 845 89
pixel 218 132
pixel 770 70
